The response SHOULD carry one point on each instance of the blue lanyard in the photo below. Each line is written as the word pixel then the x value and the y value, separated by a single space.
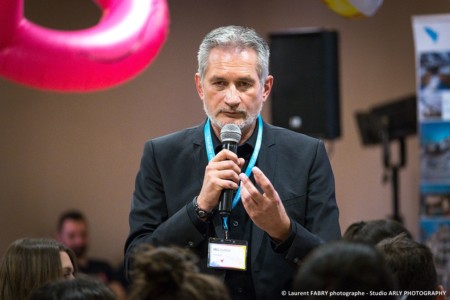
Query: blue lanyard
pixel 210 152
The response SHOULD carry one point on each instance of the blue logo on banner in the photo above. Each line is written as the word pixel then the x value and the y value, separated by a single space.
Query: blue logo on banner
pixel 432 34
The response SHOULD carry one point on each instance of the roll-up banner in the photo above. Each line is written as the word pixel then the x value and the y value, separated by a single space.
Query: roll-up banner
pixel 432 49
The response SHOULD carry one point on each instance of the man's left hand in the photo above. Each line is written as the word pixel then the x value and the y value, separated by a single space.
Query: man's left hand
pixel 266 209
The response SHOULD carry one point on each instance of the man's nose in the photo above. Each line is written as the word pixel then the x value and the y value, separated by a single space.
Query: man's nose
pixel 79 240
pixel 232 96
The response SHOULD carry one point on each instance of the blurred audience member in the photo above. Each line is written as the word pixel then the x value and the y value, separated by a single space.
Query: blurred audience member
pixel 31 262
pixel 374 231
pixel 413 267
pixel 348 269
pixel 84 287
pixel 73 232
pixel 172 273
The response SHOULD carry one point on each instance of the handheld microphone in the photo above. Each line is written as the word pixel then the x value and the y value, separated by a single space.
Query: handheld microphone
pixel 230 136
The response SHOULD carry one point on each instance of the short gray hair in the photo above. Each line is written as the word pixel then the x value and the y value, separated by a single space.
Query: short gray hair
pixel 236 37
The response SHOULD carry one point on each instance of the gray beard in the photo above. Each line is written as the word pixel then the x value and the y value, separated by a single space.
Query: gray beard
pixel 249 120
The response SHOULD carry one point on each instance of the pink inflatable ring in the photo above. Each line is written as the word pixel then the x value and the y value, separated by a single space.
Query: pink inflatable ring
pixel 126 40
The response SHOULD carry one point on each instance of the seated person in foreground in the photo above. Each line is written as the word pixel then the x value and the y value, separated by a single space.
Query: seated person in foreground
pixel 413 267
pixel 171 273
pixel 374 231
pixel 83 287
pixel 30 262
pixel 348 268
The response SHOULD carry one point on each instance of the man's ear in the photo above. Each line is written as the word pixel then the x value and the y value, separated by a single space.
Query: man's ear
pixel 267 87
pixel 198 85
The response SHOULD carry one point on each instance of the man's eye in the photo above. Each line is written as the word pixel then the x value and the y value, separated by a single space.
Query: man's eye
pixel 244 84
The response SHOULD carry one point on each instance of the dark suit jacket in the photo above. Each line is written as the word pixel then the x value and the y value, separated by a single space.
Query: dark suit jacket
pixel 171 174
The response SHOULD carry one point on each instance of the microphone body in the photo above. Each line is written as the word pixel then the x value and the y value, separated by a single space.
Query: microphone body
pixel 230 136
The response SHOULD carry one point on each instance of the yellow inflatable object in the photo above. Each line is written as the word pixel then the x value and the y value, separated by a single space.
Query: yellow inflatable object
pixel 354 9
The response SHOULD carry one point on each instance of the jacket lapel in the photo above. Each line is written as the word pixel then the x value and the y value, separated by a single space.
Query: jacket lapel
pixel 199 153
pixel 266 162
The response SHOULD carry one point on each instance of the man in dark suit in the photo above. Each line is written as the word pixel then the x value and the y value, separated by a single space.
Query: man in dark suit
pixel 287 202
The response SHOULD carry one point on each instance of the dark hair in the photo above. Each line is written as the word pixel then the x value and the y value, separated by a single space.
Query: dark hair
pixel 411 264
pixel 344 267
pixel 374 231
pixel 75 215
pixel 172 273
pixel 29 263
pixel 83 287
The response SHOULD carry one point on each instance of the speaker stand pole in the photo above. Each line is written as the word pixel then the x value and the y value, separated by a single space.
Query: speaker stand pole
pixel 394 170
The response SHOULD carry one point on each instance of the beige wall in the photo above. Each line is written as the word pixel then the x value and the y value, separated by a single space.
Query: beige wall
pixel 60 151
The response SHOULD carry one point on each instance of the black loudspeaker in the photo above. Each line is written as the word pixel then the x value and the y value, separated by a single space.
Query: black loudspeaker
pixel 305 95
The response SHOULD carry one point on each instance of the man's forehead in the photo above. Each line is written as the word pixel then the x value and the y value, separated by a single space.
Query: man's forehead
pixel 221 64
pixel 73 224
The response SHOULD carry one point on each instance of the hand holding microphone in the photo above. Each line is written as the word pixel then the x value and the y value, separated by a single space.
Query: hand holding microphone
pixel 222 172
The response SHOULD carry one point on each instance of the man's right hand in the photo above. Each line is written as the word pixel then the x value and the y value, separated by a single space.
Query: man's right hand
pixel 222 172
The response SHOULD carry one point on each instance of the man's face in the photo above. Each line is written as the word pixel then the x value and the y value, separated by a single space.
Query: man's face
pixel 231 89
pixel 74 235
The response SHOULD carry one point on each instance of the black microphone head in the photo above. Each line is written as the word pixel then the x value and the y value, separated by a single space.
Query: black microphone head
pixel 230 133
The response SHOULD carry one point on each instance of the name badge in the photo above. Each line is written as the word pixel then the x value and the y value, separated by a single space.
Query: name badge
pixel 227 254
